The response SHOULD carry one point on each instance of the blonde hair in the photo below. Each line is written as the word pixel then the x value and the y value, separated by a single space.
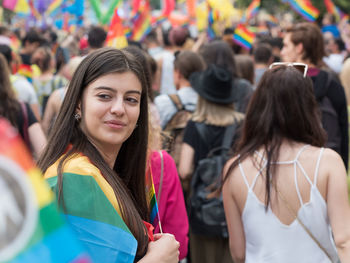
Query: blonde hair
pixel 215 114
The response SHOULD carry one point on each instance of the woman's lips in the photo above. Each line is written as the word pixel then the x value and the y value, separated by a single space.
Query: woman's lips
pixel 115 124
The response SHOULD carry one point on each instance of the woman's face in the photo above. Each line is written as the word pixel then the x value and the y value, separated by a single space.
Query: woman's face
pixel 111 108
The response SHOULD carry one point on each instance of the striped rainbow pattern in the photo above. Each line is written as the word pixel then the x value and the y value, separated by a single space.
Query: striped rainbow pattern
pixel 55 4
pixel 52 241
pixel 151 193
pixel 251 11
pixel 142 22
pixel 333 9
pixel 243 37
pixel 116 33
pixel 92 210
pixel 158 20
pixel 305 9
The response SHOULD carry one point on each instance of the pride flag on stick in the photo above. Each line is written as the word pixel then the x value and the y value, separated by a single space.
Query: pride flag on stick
pixel 304 8
pixel 243 37
pixel 251 11
pixel 151 193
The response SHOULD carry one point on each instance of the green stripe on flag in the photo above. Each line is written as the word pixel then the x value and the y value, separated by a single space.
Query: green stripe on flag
pixel 83 197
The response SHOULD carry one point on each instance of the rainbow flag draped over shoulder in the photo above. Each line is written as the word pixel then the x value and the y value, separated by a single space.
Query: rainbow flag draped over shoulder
pixel 92 210
pixel 304 8
pixel 31 228
pixel 243 36
pixel 251 11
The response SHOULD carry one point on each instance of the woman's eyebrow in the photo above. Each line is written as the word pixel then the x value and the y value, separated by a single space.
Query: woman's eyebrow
pixel 114 91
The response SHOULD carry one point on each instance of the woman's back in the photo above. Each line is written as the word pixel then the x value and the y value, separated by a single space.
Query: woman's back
pixel 276 235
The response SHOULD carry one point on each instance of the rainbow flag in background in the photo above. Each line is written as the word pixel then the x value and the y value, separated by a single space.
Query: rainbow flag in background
pixel 55 5
pixel 37 232
pixel 26 71
pixel 116 33
pixel 92 210
pixel 155 21
pixel 33 10
pixel 151 193
pixel 243 36
pixel 333 9
pixel 251 11
pixel 17 6
pixel 304 8
pixel 142 22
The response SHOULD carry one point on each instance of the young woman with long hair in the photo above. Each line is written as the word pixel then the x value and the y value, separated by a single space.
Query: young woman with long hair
pixel 96 159
pixel 283 192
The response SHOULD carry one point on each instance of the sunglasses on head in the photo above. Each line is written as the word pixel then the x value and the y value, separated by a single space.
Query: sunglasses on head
pixel 299 66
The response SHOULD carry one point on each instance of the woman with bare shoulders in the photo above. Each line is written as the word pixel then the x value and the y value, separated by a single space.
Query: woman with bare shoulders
pixel 285 196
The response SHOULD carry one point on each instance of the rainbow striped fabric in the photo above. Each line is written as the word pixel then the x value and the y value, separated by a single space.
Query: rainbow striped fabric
pixel 41 234
pixel 151 193
pixel 251 11
pixel 243 36
pixel 116 36
pixel 304 8
pixel 333 9
pixel 142 22
pixel 55 5
pixel 92 210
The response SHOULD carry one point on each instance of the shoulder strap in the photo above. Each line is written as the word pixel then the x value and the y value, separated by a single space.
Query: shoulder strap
pixel 177 102
pixel 295 214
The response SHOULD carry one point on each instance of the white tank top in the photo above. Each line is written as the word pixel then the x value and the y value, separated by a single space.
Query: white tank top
pixel 269 240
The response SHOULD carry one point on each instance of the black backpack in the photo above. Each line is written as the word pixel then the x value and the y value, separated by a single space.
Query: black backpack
pixel 206 215
pixel 330 119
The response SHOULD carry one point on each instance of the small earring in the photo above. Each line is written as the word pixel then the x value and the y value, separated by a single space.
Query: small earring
pixel 77 116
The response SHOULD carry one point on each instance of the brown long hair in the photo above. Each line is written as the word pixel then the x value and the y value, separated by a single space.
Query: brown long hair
pixel 9 106
pixel 282 107
pixel 127 178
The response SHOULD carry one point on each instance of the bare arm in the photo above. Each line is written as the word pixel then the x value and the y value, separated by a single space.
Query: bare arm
pixel 37 138
pixel 186 161
pixel 338 203
pixel 233 219
pixel 165 249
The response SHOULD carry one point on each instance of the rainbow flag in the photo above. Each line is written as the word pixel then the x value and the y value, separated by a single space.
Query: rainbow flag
pixel 151 193
pixel 35 231
pixel 55 5
pixel 304 8
pixel 333 9
pixel 251 11
pixel 116 33
pixel 155 21
pixel 92 210
pixel 26 71
pixel 142 22
pixel 33 10
pixel 243 37
pixel 213 16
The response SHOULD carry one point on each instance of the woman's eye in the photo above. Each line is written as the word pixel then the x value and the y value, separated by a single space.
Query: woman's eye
pixel 104 96
pixel 132 100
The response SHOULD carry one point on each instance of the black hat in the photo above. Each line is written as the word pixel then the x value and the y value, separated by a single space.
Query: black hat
pixel 214 84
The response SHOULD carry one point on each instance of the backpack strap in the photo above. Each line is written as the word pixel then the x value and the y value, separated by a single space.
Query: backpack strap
pixel 177 102
pixel 227 139
pixel 323 79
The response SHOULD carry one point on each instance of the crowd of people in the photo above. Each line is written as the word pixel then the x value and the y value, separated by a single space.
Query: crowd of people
pixel 272 120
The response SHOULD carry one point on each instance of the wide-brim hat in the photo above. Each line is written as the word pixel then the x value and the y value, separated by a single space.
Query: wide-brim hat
pixel 213 84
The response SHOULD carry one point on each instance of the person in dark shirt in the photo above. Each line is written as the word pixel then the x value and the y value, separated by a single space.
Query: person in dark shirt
pixel 215 108
pixel 304 43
